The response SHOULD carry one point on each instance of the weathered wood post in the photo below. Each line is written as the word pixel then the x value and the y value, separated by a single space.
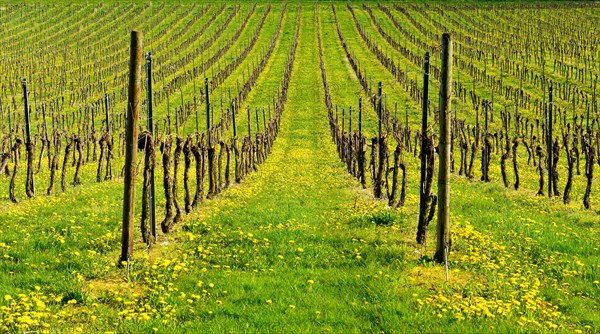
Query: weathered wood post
pixel 361 148
pixel 360 116
pixel 249 123
pixel 133 113
pixel 149 125
pixel 10 136
pixel 257 122
pixel 196 108
pixel 378 188
pixel 209 146
pixel 486 148
pixel 106 113
pixel 343 121
pixel 233 119
pixel 29 184
pixel 422 227
pixel 593 103
pixel 350 120
pixel 549 141
pixel 207 112
pixel 443 223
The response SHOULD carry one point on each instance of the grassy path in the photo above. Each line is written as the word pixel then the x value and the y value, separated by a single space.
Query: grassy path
pixel 305 277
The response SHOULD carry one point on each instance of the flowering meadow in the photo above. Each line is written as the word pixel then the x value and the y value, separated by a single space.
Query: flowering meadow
pixel 298 245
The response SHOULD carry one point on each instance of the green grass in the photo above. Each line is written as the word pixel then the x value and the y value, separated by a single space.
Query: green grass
pixel 299 246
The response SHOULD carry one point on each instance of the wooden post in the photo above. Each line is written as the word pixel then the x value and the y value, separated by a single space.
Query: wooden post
pixel 486 105
pixel 549 141
pixel 208 141
pixel 350 120
pixel 595 100
pixel 443 223
pixel 360 116
pixel 379 114
pixel 233 118
pixel 517 117
pixel 257 122
pixel 133 111
pixel 106 115
pixel 10 137
pixel 249 133
pixel 593 104
pixel 194 80
pixel 378 188
pixel 149 124
pixel 30 183
pixel 422 227
pixel 46 125
pixel 343 121
pixel 92 122
pixel 486 148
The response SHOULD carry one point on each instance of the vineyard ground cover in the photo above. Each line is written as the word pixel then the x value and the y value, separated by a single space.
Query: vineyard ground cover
pixel 299 246
pixel 269 81
pixel 344 86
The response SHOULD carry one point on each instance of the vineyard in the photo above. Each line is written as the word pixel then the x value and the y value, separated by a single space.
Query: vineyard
pixel 290 170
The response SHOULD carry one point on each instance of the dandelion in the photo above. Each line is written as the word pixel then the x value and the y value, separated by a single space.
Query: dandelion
pixel 269 302
pixel 311 282
pixel 292 307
